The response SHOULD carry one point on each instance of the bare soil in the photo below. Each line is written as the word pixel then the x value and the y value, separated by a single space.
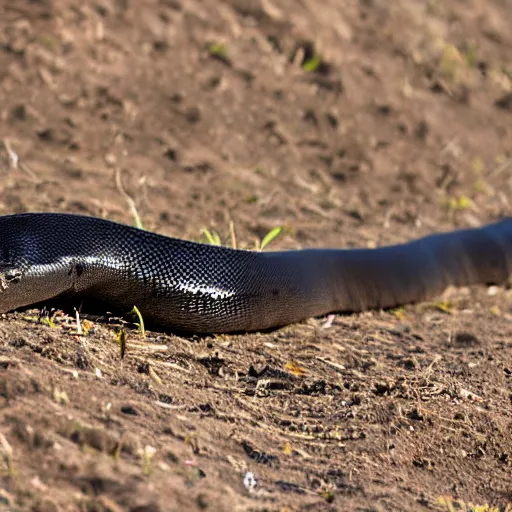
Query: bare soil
pixel 356 123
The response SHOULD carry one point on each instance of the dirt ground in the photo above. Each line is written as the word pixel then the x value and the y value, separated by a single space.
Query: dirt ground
pixel 356 123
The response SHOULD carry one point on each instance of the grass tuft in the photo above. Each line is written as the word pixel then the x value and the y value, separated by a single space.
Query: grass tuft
pixel 211 236
pixel 140 323
pixel 218 50
pixel 453 505
pixel 121 341
pixel 269 237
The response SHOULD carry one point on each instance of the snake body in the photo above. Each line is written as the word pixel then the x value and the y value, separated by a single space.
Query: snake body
pixel 188 286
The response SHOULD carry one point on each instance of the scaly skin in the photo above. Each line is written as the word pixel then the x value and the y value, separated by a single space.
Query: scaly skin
pixel 201 288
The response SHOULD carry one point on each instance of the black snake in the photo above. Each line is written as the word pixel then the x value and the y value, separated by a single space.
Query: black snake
pixel 201 288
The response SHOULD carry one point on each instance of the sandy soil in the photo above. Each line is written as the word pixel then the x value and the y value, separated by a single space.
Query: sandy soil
pixel 356 123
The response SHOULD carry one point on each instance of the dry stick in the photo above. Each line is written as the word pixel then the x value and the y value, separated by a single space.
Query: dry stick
pixel 129 200
pixel 502 167
pixel 13 157
pixel 233 234
pixel 6 453
pixel 14 161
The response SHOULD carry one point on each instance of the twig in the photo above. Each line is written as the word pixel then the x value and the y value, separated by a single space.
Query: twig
pixel 13 157
pixel 129 200
pixel 502 167
pixel 232 233
pixel 14 161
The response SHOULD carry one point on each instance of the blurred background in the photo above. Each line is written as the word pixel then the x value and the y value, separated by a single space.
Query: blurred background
pixel 332 119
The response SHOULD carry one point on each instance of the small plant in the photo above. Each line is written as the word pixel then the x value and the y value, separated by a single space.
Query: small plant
pixel 49 321
pixel 444 306
pixel 140 323
pixel 312 64
pixel 121 341
pixel 307 56
pixel 218 50
pixel 452 505
pixel 399 313
pixel 48 42
pixel 471 54
pixel 59 396
pixel 478 168
pixel 268 238
pixel 137 221
pixel 327 492
pixel 458 203
pixel 450 63
pixel 212 237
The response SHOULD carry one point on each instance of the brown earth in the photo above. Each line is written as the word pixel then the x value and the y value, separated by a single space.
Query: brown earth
pixel 348 123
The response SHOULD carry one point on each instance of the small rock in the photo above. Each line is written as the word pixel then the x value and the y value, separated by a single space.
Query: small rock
pixel 110 159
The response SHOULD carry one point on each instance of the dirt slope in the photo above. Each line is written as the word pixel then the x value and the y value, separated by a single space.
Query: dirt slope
pixel 348 123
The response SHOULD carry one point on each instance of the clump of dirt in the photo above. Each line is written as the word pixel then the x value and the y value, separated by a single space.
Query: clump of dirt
pixel 349 125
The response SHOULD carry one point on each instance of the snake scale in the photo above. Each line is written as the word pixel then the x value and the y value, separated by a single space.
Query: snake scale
pixel 194 287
